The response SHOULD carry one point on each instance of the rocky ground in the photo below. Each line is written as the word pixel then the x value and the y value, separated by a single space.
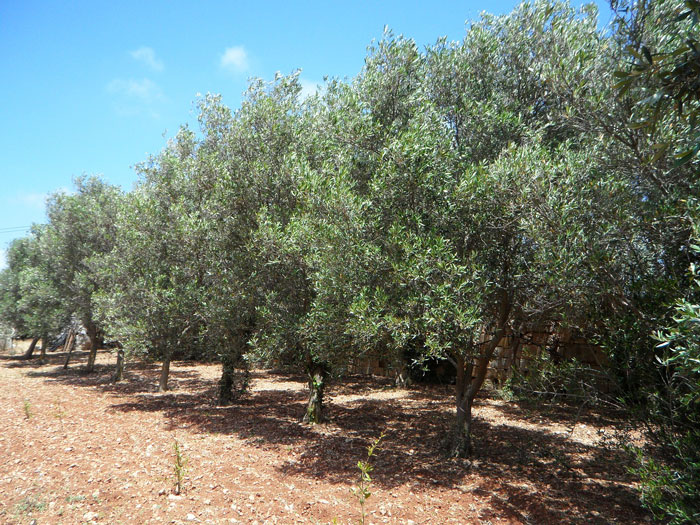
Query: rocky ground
pixel 76 448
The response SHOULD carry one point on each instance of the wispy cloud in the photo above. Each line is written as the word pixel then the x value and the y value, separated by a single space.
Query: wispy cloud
pixel 133 97
pixel 144 89
pixel 146 55
pixel 309 88
pixel 33 200
pixel 235 60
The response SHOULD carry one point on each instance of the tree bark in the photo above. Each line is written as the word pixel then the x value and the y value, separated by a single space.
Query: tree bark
pixel 44 345
pixel 230 361
pixel 92 335
pixel 68 348
pixel 119 370
pixel 461 441
pixel 317 384
pixel 164 373
pixel 30 351
pixel 226 382
pixel 462 446
pixel 470 378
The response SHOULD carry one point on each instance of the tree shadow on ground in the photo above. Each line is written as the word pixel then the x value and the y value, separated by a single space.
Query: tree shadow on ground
pixel 529 475
pixel 551 411
pixel 51 359
pixel 139 376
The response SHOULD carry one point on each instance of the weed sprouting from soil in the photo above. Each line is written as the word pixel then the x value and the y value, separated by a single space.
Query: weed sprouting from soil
pixel 362 490
pixel 27 409
pixel 180 466
pixel 29 505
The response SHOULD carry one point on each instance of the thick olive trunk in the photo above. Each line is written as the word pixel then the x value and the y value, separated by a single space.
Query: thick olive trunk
pixel 231 361
pixel 164 374
pixel 119 369
pixel 44 346
pixel 470 378
pixel 230 389
pixel 68 347
pixel 461 445
pixel 317 384
pixel 30 351
pixel 228 372
pixel 94 343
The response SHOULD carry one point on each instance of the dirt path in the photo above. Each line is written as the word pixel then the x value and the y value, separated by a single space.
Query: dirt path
pixel 75 448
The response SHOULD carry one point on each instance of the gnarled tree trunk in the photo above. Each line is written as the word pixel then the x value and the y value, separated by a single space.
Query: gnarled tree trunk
pixel 30 351
pixel 119 370
pixel 461 444
pixel 68 347
pixel 470 377
pixel 44 346
pixel 94 343
pixel 164 373
pixel 403 378
pixel 228 372
pixel 229 362
pixel 317 384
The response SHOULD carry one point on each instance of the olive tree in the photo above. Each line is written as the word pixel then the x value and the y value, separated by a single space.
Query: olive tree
pixel 81 229
pixel 313 266
pixel 472 207
pixel 30 300
pixel 152 280
pixel 242 174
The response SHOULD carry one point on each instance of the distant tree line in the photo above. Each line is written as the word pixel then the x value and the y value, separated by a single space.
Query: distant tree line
pixel 539 169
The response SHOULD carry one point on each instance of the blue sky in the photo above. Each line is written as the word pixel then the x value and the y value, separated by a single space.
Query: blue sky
pixel 93 87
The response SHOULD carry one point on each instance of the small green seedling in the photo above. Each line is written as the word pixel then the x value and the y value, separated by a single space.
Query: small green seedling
pixel 180 467
pixel 361 491
pixel 75 499
pixel 59 413
pixel 29 505
pixel 27 409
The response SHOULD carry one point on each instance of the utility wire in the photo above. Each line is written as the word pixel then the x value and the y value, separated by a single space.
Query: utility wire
pixel 14 229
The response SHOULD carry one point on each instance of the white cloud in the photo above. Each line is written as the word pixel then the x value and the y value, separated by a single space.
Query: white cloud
pixel 144 89
pixel 132 97
pixel 147 56
pixel 309 88
pixel 235 59
pixel 34 200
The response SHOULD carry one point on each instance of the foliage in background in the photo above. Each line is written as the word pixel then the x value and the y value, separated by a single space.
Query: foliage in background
pixel 671 480
pixel 665 55
pixel 30 298
pixel 662 80
pixel 568 381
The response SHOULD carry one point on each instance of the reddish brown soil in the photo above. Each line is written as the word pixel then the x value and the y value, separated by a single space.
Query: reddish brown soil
pixel 77 448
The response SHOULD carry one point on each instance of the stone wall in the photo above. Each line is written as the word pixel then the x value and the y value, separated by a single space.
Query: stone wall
pixel 520 353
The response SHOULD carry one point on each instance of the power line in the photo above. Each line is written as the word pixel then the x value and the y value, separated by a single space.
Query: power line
pixel 13 229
